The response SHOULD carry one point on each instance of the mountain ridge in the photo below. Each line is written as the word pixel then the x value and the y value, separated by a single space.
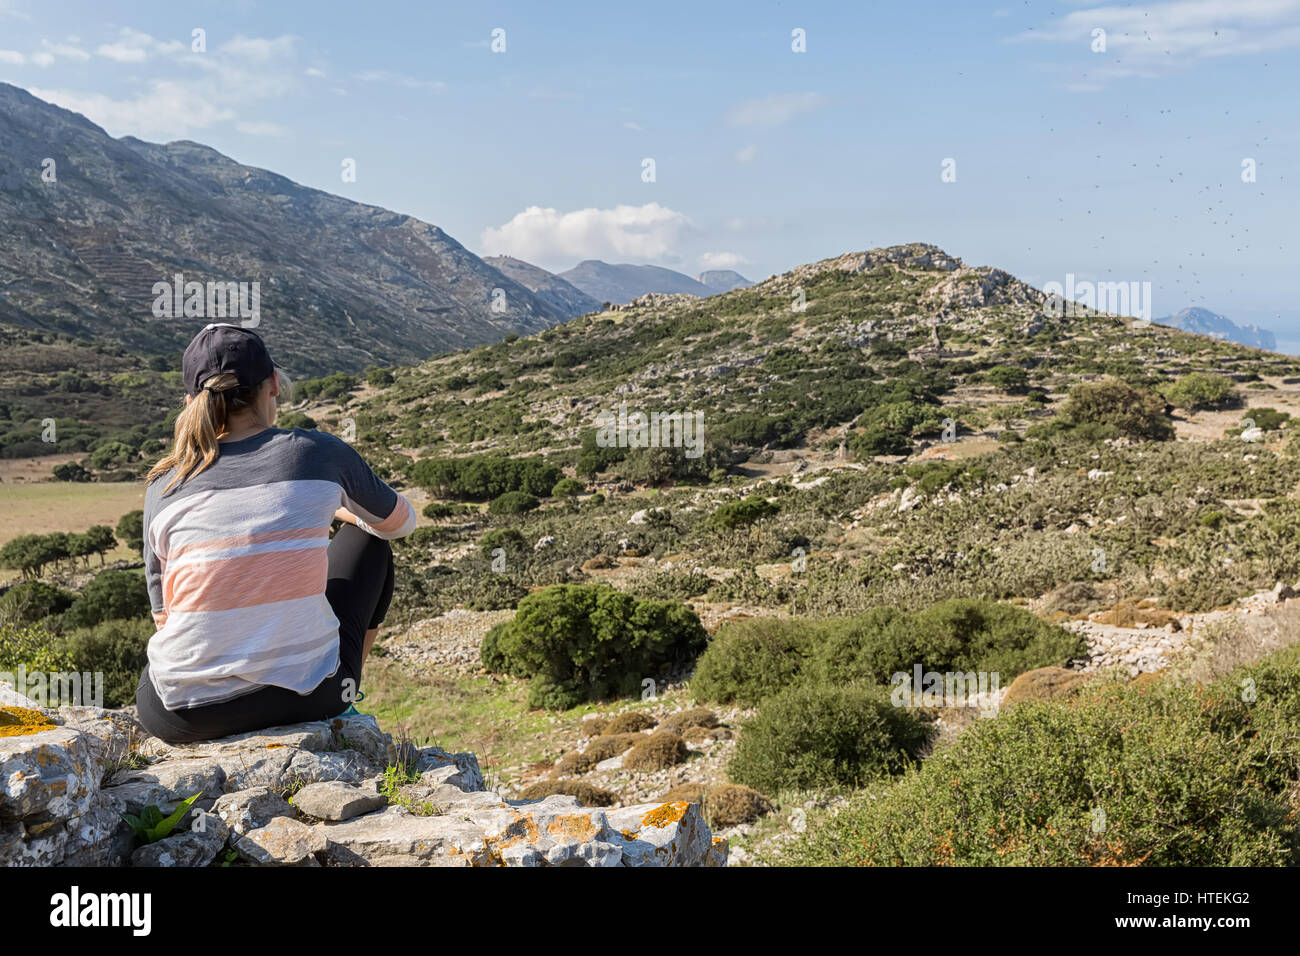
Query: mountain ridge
pixel 343 284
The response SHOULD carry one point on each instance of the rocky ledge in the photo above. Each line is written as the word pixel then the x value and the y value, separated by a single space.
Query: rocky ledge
pixel 311 794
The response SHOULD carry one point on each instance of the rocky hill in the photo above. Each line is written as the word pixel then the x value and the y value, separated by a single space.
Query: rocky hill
pixel 330 793
pixel 92 223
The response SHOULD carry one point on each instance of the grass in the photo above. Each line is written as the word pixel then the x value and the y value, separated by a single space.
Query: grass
pixel 42 507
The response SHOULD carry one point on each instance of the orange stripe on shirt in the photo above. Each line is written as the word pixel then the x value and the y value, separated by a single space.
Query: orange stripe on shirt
pixel 396 519
pixel 246 580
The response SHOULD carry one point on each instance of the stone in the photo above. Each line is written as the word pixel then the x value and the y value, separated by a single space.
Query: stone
pixel 433 758
pixel 337 800
pixel 396 837
pixel 249 809
pixel 191 847
pixel 282 842
pixel 166 783
pixel 54 773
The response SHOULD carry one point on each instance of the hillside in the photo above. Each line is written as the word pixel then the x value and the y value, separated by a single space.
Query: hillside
pixel 623 283
pixel 906 462
pixel 723 280
pixel 343 285
pixel 547 286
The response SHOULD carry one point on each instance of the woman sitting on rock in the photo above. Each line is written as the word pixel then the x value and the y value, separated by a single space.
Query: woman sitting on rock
pixel 262 619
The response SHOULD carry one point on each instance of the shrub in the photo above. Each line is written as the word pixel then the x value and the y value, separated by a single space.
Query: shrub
pixel 567 487
pixel 1007 378
pixel 130 530
pixel 291 420
pixel 749 660
pixel 112 595
pixel 1200 390
pixel 587 794
pixel 611 745
pixel 508 539
pixel 813 736
pixel 1114 405
pixel 589 642
pixel 1043 683
pixel 632 721
pixel 659 751
pixel 960 635
pixel 879 441
pixel 742 513
pixel 116 648
pixel 1177 775
pixel 30 601
pixel 692 717
pixel 512 503
pixel 731 804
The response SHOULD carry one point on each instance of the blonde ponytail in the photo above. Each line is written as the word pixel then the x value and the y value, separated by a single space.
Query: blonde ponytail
pixel 201 423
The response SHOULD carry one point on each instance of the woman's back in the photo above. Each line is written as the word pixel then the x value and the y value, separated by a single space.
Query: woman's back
pixel 235 560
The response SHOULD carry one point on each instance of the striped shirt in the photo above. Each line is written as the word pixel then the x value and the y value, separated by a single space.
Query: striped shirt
pixel 236 565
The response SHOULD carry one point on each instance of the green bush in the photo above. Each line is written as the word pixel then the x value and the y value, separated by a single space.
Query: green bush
pixel 580 642
pixel 130 530
pixel 512 503
pixel 819 735
pixel 879 441
pixel 30 601
pixel 1007 378
pixel 112 595
pixel 509 539
pixel 484 477
pixel 1201 390
pixel 293 420
pixel 117 649
pixel 749 660
pixel 742 513
pixel 1115 406
pixel 567 487
pixel 1156 775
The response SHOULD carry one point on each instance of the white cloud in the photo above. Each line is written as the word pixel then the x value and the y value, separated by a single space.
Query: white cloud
pixel 66 51
pixel 132 46
pixel 775 110
pixel 1162 37
pixel 12 57
pixel 43 59
pixel 312 71
pixel 722 260
pixel 259 49
pixel 168 110
pixel 747 154
pixel 628 124
pixel 643 233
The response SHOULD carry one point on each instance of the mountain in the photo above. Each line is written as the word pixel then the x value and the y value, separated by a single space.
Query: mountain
pixel 723 280
pixel 342 285
pixel 547 286
pixel 622 283
pixel 1205 322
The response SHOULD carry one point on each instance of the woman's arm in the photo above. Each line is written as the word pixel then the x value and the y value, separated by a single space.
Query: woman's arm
pixel 347 517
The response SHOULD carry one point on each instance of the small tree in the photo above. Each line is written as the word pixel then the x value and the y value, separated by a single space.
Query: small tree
pixel 130 530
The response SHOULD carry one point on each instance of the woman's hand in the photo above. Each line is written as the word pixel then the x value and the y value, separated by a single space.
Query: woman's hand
pixel 347 517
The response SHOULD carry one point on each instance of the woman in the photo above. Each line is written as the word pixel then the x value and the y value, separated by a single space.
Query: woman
pixel 262 619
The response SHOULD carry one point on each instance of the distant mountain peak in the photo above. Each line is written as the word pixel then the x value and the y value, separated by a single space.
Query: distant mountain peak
pixel 1204 322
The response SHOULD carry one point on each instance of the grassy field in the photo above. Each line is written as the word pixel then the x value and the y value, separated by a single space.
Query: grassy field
pixel 42 507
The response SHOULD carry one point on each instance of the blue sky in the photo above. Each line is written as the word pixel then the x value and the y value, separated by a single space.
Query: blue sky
pixel 1115 165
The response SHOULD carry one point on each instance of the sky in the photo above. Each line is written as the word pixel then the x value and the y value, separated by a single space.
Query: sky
pixel 1148 142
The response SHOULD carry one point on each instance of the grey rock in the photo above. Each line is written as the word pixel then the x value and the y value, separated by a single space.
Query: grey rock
pixel 282 842
pixel 197 846
pixel 337 800
pixel 249 809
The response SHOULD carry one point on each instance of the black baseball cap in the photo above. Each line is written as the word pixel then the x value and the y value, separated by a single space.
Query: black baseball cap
pixel 222 347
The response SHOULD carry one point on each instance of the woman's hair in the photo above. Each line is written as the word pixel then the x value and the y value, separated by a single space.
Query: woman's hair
pixel 201 422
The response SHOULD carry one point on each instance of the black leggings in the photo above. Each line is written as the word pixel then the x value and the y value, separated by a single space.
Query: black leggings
pixel 359 589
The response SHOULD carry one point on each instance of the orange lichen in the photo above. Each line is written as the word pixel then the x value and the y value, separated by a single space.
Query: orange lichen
pixel 20 721
pixel 573 825
pixel 666 814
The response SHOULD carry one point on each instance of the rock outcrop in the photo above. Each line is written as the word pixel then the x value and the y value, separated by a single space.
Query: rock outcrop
pixel 312 794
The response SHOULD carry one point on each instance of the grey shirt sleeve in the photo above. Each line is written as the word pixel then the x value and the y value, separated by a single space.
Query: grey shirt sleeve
pixel 153 566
